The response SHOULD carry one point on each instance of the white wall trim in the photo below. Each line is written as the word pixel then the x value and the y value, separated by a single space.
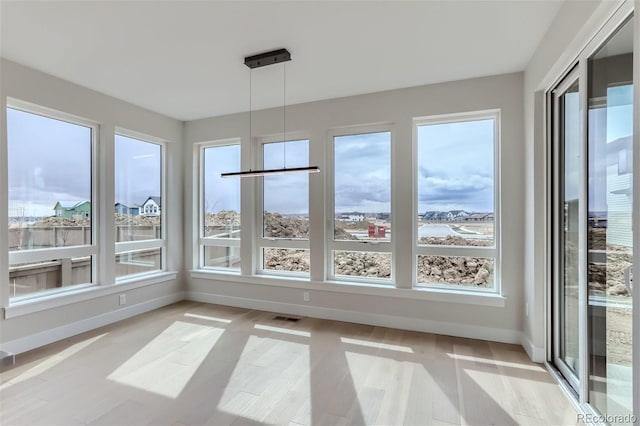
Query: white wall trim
pixel 381 320
pixel 536 353
pixel 46 337
pixel 438 294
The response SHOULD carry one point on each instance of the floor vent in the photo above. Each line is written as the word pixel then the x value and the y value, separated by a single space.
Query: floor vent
pixel 281 318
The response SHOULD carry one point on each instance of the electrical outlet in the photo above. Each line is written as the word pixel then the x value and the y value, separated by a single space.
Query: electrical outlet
pixel 123 299
pixel 305 296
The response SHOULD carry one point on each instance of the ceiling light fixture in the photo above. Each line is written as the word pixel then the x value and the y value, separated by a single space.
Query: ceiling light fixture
pixel 262 60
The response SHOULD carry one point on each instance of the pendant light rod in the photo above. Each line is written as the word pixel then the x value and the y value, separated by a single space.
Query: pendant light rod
pixel 268 172
pixel 257 61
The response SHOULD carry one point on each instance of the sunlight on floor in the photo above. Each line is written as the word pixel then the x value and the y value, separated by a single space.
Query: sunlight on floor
pixel 51 362
pixel 360 367
pixel 166 364
pixel 208 318
pixel 377 345
pixel 268 372
pixel 282 330
pixel 497 362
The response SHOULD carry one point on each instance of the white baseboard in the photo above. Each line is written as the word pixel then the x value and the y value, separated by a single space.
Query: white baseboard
pixel 536 353
pixel 381 320
pixel 45 337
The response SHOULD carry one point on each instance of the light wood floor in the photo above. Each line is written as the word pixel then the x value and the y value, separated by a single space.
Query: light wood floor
pixel 192 364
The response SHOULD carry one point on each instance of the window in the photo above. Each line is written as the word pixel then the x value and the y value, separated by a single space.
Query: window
pixel 220 208
pixel 138 207
pixel 360 244
pixel 50 178
pixel 457 219
pixel 284 243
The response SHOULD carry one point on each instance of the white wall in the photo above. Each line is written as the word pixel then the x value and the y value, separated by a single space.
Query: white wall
pixel 574 26
pixel 28 330
pixel 397 107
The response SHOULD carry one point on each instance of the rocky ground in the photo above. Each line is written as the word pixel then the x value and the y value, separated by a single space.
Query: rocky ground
pixel 468 271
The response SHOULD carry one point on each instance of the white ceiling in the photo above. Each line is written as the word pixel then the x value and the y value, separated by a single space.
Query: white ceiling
pixel 185 59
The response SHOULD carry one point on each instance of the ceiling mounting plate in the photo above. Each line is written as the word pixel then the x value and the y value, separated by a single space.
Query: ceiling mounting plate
pixel 267 58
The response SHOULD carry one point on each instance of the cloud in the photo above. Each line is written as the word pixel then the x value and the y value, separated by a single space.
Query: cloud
pixel 288 194
pixel 473 192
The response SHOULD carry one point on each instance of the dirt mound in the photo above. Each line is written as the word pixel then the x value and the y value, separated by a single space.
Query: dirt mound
pixel 279 226
pixel 135 220
pixel 470 271
pixel 223 218
pixel 451 240
pixel 363 264
pixel 62 221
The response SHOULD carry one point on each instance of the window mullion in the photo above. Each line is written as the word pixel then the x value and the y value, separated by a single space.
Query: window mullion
pixel 106 193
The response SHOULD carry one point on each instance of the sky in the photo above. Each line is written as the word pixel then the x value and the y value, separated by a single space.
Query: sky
pixel 362 173
pixel 221 194
pixel 138 166
pixel 49 161
pixel 456 166
pixel 606 125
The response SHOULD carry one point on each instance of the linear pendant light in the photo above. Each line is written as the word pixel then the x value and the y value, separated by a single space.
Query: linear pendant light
pixel 257 61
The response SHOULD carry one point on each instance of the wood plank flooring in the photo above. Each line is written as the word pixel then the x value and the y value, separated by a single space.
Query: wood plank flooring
pixel 196 364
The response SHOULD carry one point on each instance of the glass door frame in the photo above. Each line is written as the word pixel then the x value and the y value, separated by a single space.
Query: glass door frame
pixel 557 156
pixel 578 69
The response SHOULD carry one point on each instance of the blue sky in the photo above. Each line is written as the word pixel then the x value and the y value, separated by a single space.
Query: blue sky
pixel 286 193
pixel 137 164
pixel 221 194
pixel 363 173
pixel 456 166
pixel 49 161
pixel 607 125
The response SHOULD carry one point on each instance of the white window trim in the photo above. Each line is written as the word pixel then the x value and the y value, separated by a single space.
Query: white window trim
pixel 461 251
pixel 448 295
pixel 80 293
pixel 260 242
pixel 131 246
pixel 332 245
pixel 90 250
pixel 199 184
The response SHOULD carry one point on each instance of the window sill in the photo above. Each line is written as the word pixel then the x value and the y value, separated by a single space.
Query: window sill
pixel 418 293
pixel 45 302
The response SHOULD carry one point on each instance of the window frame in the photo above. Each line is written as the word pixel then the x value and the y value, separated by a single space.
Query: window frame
pixel 493 252
pixel 133 246
pixel 86 250
pixel 214 242
pixel 260 242
pixel 331 245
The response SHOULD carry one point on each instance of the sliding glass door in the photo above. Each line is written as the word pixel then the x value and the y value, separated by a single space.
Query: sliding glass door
pixel 592 145
pixel 609 231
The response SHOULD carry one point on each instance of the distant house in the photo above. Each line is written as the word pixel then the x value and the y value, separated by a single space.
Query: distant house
pixel 73 209
pixel 429 215
pixel 351 217
pixel 457 214
pixel 124 209
pixel 476 217
pixel 441 216
pixel 151 207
